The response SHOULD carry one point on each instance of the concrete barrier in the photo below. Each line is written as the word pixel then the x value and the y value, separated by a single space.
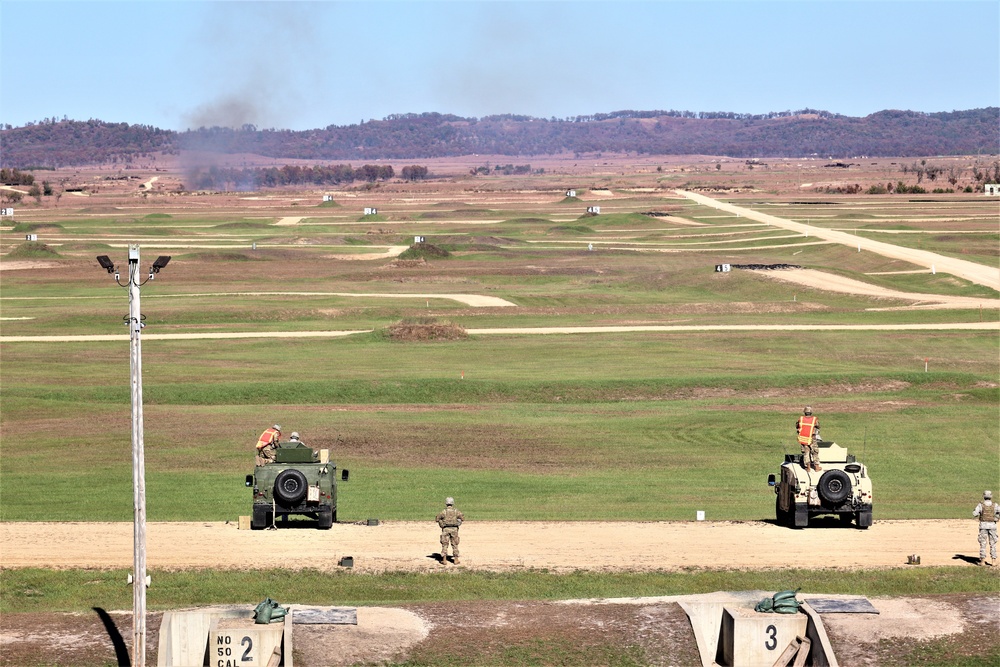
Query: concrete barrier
pixel 184 637
pixel 729 632
pixel 240 642
pixel 752 639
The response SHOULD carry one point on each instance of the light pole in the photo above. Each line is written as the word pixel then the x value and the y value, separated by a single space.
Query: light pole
pixel 139 580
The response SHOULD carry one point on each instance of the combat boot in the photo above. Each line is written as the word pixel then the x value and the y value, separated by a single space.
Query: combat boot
pixel 817 467
pixel 982 561
pixel 454 560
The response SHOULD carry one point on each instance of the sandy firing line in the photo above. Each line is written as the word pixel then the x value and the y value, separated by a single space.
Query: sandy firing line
pixel 487 545
pixel 976 273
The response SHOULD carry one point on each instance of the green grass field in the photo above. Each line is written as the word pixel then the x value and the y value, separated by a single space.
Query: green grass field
pixel 523 427
pixel 574 427
pixel 630 426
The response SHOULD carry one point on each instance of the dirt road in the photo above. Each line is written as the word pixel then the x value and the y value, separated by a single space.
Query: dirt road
pixel 494 545
pixel 832 282
pixel 538 331
pixel 976 273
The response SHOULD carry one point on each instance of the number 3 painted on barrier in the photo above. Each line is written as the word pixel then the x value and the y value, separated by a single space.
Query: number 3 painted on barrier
pixel 771 643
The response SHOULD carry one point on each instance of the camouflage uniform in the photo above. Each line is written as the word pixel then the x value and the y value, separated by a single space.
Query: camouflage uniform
pixel 988 513
pixel 449 520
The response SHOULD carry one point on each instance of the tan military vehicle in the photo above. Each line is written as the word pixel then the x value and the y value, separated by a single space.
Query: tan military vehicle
pixel 842 487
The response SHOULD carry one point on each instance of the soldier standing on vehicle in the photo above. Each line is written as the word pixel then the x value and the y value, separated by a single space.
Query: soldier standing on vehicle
pixel 449 519
pixel 988 514
pixel 267 443
pixel 807 431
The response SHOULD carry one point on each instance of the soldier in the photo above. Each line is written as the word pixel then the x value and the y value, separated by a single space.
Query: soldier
pixel 449 520
pixel 988 514
pixel 267 443
pixel 807 431
pixel 294 440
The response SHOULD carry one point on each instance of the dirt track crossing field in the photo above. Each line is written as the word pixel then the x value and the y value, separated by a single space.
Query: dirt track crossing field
pixel 495 545
pixel 976 273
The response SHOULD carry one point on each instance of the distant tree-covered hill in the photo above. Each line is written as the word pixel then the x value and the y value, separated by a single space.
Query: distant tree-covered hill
pixel 412 136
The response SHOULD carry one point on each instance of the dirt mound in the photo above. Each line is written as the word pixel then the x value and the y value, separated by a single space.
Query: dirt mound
pixel 32 250
pixel 424 251
pixel 406 263
pixel 423 330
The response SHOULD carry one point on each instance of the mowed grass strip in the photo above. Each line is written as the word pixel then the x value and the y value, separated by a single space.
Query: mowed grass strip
pixel 33 590
pixel 633 460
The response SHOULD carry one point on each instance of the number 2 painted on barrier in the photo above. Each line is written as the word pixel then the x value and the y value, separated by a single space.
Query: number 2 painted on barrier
pixel 771 643
pixel 246 653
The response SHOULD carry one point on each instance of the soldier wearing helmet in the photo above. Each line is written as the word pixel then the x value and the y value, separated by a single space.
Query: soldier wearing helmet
pixel 449 519
pixel 267 443
pixel 807 431
pixel 988 513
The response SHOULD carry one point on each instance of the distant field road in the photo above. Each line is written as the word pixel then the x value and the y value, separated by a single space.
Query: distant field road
pixel 522 331
pixel 980 274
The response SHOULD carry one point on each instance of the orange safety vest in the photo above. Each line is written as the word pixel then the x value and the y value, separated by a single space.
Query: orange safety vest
pixel 268 437
pixel 807 426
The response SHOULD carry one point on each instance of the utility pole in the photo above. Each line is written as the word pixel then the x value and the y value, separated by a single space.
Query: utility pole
pixel 138 579
pixel 138 465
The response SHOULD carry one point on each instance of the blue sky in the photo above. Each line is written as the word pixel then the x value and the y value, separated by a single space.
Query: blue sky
pixel 302 65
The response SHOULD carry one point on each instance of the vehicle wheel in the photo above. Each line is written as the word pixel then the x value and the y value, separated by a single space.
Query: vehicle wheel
pixel 781 517
pixel 325 519
pixel 290 486
pixel 846 519
pixel 260 517
pixel 834 486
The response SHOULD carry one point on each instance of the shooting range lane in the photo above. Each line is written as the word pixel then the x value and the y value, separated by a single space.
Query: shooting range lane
pixel 563 546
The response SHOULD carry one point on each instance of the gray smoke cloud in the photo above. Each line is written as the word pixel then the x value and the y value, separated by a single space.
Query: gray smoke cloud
pixel 260 59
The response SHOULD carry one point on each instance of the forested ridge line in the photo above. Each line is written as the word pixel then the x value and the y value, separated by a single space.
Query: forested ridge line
pixel 808 132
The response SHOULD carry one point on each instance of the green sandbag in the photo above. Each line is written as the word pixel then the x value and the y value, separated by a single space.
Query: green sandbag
pixel 268 611
pixel 782 602
pixel 786 608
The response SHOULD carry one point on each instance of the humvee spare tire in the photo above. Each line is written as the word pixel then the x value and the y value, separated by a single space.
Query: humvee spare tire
pixel 834 486
pixel 290 486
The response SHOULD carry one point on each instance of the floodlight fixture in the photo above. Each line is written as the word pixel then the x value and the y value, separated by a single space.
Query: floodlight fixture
pixel 106 263
pixel 160 262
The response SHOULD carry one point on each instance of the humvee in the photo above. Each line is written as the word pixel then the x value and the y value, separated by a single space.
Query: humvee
pixel 842 488
pixel 298 481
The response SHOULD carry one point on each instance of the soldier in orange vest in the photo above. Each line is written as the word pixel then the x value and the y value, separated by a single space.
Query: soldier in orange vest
pixel 807 431
pixel 267 443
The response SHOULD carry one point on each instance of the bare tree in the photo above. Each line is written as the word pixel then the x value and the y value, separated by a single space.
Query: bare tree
pixel 954 173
